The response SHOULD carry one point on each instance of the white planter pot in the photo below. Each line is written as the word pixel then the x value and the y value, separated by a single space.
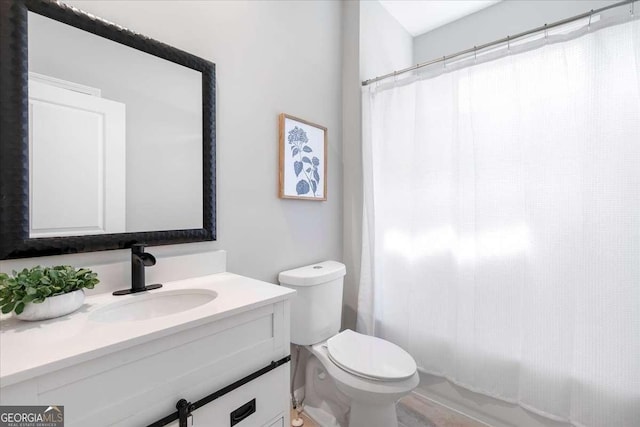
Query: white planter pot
pixel 52 307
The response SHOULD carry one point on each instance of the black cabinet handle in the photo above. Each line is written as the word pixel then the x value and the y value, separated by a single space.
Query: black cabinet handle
pixel 243 412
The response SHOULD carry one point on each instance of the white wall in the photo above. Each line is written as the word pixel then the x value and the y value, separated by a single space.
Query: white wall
pixel 385 45
pixel 373 43
pixel 500 20
pixel 271 57
pixel 351 132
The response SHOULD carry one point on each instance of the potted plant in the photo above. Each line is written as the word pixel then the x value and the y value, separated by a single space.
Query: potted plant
pixel 43 293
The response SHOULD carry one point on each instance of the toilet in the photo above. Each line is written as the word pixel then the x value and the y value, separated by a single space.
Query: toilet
pixel 369 373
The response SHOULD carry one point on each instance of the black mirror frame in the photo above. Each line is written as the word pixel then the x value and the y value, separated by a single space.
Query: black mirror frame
pixel 14 142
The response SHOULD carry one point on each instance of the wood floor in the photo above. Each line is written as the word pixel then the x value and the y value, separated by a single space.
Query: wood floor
pixel 415 411
pixel 308 422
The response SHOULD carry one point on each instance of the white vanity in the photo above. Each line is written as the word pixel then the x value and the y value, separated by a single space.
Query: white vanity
pixel 127 360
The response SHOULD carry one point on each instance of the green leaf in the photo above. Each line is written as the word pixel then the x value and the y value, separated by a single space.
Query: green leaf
pixel 8 308
pixel 19 308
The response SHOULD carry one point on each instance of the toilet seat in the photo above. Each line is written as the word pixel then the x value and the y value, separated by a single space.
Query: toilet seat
pixel 372 403
pixel 370 357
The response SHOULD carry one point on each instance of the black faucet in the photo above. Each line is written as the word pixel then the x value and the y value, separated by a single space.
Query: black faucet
pixel 139 260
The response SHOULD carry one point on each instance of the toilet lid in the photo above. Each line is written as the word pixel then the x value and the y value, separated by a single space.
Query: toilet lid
pixel 370 357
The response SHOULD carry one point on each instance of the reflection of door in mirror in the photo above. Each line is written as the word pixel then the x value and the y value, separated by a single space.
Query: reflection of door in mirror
pixel 77 160
pixel 163 133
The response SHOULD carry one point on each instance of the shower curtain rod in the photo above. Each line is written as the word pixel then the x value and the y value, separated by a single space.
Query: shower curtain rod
pixel 503 40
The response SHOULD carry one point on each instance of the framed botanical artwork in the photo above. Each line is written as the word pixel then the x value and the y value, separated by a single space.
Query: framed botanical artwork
pixel 303 159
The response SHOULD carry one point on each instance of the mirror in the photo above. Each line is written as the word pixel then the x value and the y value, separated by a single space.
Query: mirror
pixel 119 137
pixel 128 123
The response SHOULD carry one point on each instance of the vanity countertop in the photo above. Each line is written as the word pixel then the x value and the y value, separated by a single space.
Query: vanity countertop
pixel 29 349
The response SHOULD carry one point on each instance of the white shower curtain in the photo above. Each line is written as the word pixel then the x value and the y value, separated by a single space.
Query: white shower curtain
pixel 501 238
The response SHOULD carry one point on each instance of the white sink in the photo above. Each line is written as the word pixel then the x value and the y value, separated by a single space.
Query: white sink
pixel 149 305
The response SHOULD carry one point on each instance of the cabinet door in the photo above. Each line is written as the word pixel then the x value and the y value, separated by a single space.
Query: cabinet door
pixel 277 423
pixel 269 392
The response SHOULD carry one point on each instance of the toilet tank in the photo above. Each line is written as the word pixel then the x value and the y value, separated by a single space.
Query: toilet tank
pixel 316 308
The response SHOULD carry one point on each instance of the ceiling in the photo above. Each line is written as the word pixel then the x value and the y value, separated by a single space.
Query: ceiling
pixel 420 16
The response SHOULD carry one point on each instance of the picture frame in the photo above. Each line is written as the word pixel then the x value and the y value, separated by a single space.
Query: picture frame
pixel 303 159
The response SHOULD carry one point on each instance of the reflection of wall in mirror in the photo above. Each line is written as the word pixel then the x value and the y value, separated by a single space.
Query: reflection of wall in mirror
pixel 163 118
pixel 77 179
